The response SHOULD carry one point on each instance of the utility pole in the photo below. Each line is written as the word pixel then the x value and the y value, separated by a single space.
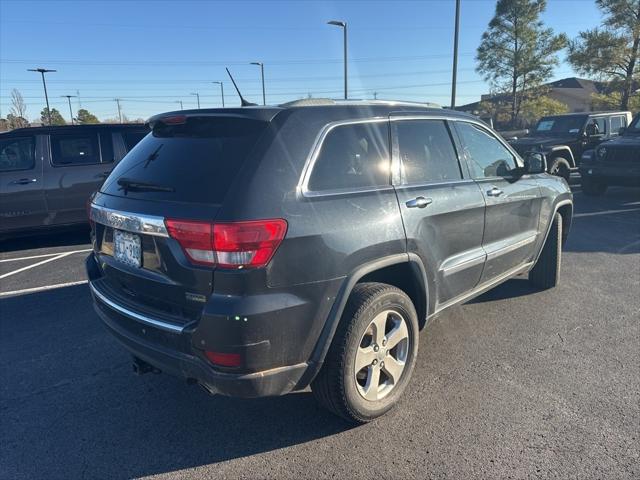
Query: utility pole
pixel 42 71
pixel 180 102
pixel 119 111
pixel 221 92
pixel 198 97
pixel 375 95
pixel 339 23
pixel 455 56
pixel 69 97
pixel 261 65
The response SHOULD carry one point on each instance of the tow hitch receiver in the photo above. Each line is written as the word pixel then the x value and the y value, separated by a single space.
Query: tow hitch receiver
pixel 140 367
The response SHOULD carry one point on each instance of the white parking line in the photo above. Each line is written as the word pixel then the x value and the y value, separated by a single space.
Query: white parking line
pixel 44 255
pixel 28 267
pixel 41 289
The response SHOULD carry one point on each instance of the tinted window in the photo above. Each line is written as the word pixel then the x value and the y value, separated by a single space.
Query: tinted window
pixel 17 154
pixel 487 156
pixel 191 162
pixel 426 152
pixel 600 125
pixel 131 139
pixel 75 149
pixel 353 156
pixel 617 123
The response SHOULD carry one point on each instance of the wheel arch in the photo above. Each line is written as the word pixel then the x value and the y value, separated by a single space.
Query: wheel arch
pixel 565 208
pixel 562 151
pixel 404 271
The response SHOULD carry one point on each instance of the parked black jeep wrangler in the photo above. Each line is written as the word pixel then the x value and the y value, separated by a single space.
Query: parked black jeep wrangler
pixel 563 138
pixel 615 163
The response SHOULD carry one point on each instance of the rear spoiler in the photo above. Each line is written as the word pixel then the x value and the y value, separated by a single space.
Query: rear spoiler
pixel 180 116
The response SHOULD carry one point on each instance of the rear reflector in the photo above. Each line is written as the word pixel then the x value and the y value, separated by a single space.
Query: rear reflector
pixel 229 245
pixel 224 359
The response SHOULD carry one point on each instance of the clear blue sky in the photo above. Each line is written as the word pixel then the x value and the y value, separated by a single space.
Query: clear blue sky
pixel 154 53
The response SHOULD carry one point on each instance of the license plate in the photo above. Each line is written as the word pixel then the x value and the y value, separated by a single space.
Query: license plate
pixel 127 248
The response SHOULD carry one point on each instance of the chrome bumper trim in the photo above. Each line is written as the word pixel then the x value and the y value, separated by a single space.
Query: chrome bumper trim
pixel 130 222
pixel 167 327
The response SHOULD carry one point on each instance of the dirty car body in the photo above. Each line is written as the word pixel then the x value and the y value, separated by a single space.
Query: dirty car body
pixel 243 327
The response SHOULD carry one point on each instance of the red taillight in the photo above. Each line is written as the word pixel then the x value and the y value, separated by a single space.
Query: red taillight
pixel 229 245
pixel 247 244
pixel 224 359
pixel 174 120
pixel 195 238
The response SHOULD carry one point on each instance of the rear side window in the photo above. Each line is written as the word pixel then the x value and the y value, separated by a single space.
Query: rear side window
pixel 194 161
pixel 426 152
pixel 486 155
pixel 131 139
pixel 17 154
pixel 353 156
pixel 75 149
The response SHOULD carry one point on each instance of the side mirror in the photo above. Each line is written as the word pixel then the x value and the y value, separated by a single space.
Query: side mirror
pixel 535 162
pixel 621 130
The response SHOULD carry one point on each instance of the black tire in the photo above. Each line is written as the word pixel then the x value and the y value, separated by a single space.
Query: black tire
pixel 593 188
pixel 560 167
pixel 545 273
pixel 336 387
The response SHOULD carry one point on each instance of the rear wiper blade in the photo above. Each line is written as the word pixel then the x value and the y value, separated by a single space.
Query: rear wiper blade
pixel 128 184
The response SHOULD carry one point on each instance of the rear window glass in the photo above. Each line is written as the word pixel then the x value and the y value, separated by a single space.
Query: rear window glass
pixel 17 154
pixel 353 156
pixel 191 162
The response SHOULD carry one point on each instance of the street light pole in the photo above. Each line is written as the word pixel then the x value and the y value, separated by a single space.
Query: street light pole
pixel 221 92
pixel 264 98
pixel 119 111
pixel 180 102
pixel 198 97
pixel 69 97
pixel 42 71
pixel 455 56
pixel 342 24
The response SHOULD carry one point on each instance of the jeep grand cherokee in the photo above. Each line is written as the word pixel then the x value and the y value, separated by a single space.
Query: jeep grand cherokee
pixel 257 251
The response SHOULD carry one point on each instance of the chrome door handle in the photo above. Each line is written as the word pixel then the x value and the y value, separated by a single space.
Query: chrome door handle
pixel 494 192
pixel 418 202
pixel 23 181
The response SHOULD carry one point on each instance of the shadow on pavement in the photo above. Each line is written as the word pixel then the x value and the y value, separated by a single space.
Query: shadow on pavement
pixel 516 287
pixel 69 398
pixel 54 238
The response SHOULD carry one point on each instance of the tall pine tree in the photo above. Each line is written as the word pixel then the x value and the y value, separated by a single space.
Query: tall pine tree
pixel 612 52
pixel 517 53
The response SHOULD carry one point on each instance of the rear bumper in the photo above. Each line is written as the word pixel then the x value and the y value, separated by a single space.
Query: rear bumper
pixel 276 381
pixel 172 349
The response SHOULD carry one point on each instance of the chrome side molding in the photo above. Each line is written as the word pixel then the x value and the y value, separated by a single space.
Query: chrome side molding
pixel 130 222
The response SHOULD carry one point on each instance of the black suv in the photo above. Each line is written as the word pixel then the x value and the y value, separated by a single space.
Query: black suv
pixel 613 163
pixel 257 251
pixel 563 138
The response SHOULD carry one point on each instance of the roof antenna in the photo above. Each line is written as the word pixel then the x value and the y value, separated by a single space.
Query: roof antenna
pixel 243 102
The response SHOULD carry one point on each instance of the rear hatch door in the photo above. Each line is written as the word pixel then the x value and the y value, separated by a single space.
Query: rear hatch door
pixel 182 170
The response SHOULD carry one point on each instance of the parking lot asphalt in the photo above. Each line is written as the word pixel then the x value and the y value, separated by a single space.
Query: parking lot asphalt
pixel 514 384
